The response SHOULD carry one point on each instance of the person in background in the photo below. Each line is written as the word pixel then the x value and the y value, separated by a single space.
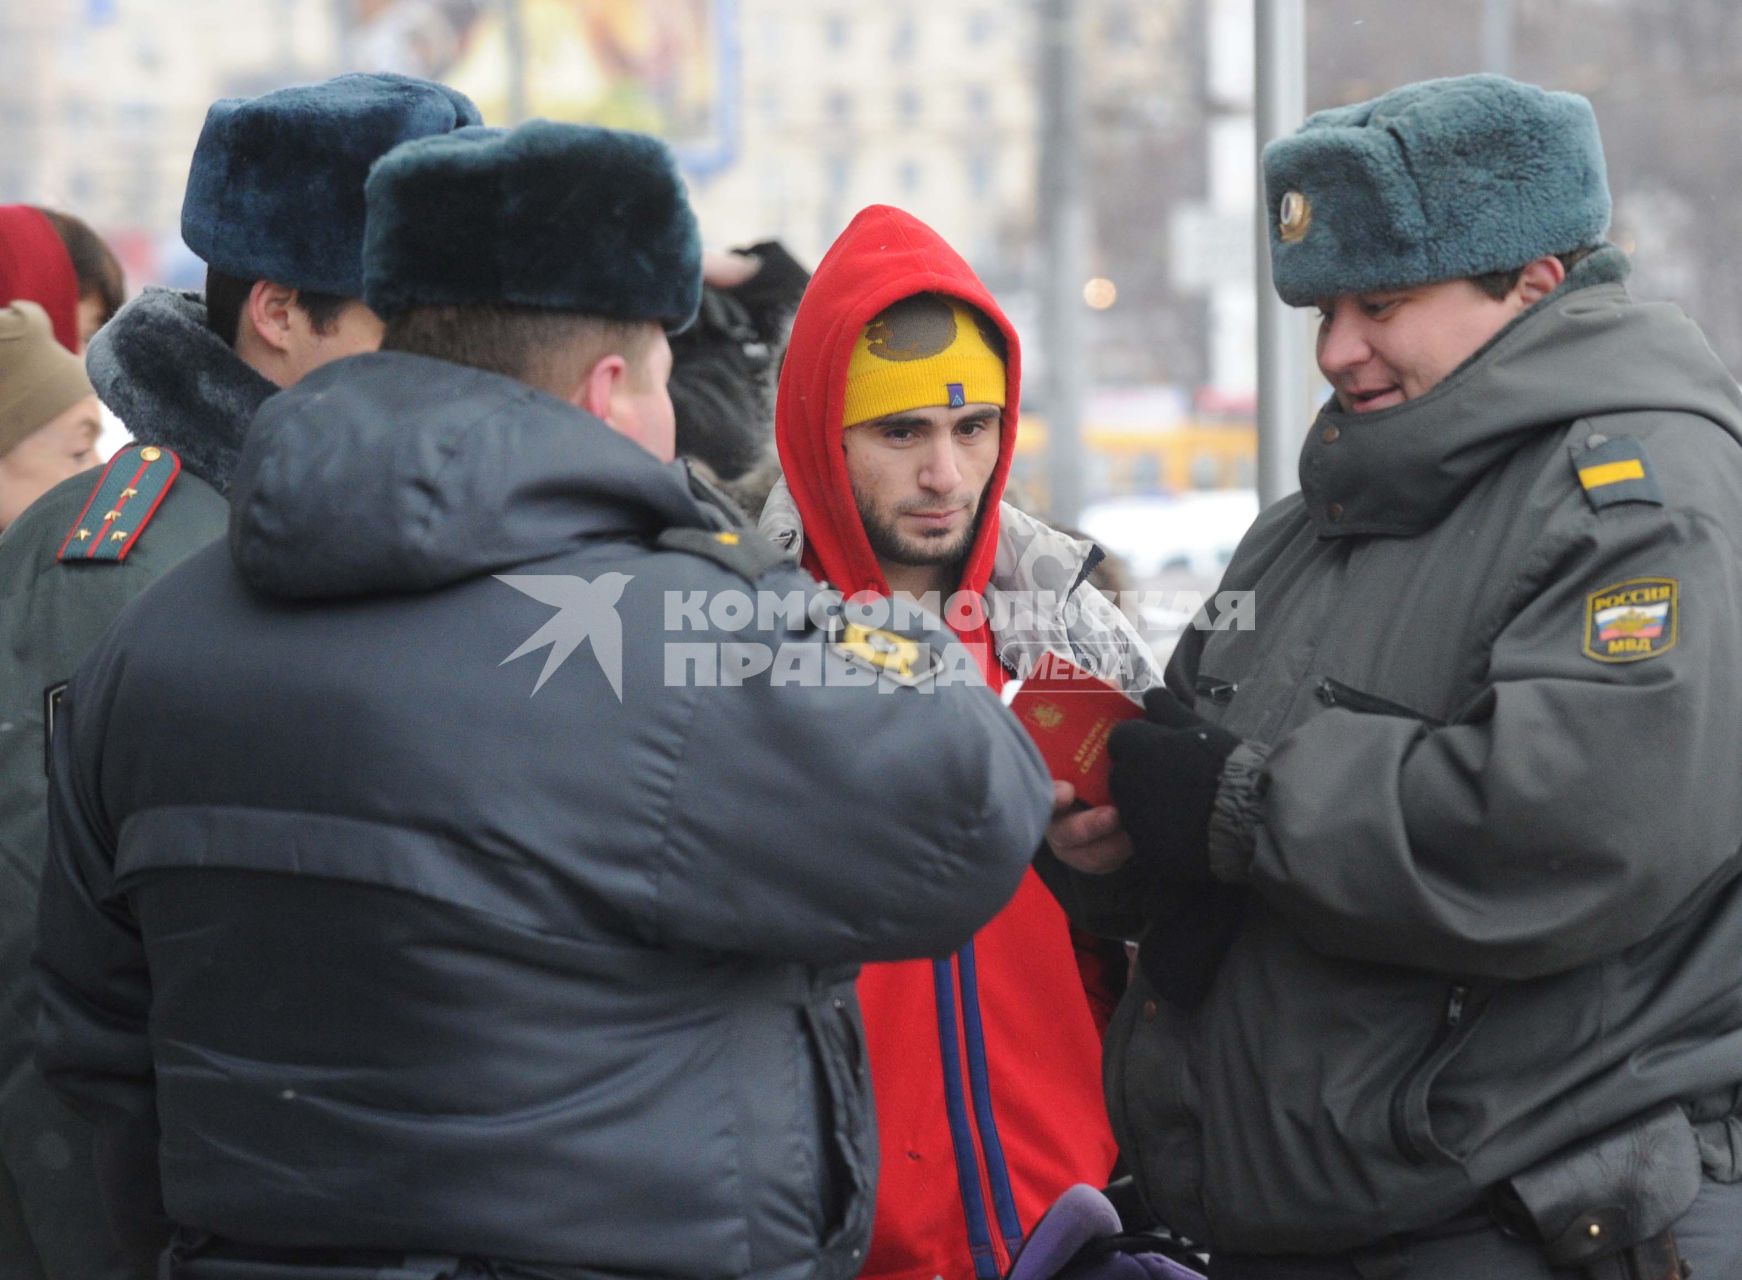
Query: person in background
pixel 896 423
pixel 285 279
pixel 723 367
pixel 36 267
pixel 101 284
pixel 49 419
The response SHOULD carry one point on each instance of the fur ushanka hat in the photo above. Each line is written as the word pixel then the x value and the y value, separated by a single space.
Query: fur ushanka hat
pixel 1433 181
pixel 562 216
pixel 276 187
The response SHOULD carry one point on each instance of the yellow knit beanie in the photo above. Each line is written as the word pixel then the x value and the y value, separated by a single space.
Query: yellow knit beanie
pixel 925 351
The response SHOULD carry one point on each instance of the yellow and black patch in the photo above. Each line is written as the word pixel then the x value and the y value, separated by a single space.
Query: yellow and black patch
pixel 1632 620
pixel 744 551
pixel 1616 471
pixel 897 657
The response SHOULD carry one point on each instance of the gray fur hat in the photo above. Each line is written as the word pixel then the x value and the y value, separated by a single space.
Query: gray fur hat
pixel 1433 181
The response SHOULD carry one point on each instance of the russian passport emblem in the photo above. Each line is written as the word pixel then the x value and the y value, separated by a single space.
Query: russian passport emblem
pixel 1631 621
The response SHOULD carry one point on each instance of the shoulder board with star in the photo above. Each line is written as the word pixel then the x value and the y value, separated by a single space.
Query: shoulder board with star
pixel 1615 471
pixel 744 551
pixel 127 495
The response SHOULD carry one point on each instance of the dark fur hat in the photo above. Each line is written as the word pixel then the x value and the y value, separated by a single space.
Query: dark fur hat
pixel 564 216
pixel 276 188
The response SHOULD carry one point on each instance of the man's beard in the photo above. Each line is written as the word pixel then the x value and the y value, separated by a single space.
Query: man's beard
pixel 889 543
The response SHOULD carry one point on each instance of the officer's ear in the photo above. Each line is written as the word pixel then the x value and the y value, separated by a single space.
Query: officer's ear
pixel 267 315
pixel 1540 278
pixel 599 385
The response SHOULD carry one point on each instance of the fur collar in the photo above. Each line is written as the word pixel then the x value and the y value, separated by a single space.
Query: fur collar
pixel 174 382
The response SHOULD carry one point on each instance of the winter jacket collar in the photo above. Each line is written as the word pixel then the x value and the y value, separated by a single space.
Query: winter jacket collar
pixel 1585 350
pixel 397 473
pixel 175 383
pixel 1038 597
pixel 884 255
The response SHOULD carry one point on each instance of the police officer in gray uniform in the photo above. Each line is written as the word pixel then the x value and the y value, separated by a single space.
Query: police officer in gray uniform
pixel 1459 816
pixel 464 869
pixel 274 206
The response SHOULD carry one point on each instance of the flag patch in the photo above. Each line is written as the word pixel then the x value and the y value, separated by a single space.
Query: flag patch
pixel 1632 620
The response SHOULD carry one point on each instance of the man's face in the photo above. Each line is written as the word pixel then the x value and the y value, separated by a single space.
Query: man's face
pixel 918 478
pixel 640 404
pixel 354 331
pixel 62 447
pixel 1383 348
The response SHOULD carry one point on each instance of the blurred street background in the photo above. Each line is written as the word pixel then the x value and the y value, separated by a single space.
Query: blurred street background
pixel 1093 159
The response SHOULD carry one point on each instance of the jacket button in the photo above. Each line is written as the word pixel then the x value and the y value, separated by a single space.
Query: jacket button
pixel 838 1003
pixel 1150 1008
pixel 1335 512
pixel 1331 435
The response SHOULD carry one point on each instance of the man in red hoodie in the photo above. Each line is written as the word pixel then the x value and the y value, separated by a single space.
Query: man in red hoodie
pixel 896 424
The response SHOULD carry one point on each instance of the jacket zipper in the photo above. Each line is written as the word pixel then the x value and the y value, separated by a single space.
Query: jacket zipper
pixel 1334 693
pixel 1219 692
pixel 1451 1019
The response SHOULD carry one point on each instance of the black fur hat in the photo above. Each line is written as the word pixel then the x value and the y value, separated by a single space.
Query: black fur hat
pixel 276 187
pixel 564 216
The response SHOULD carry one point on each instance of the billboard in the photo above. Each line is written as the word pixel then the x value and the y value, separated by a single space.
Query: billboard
pixel 666 67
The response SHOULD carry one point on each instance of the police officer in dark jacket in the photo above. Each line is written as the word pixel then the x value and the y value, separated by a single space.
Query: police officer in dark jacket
pixel 490 901
pixel 186 379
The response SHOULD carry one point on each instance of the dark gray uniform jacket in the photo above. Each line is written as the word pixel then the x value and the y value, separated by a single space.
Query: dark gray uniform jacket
pixel 1495 896
pixel 415 947
pixel 175 384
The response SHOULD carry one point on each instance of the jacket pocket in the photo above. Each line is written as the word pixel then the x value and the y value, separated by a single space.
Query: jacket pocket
pixel 1334 693
pixel 847 1163
pixel 1412 1128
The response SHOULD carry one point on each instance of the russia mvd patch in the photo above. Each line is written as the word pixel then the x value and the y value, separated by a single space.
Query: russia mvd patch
pixel 1632 620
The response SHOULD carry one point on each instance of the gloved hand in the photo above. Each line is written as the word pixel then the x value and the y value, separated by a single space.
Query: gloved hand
pixel 1191 927
pixel 1166 770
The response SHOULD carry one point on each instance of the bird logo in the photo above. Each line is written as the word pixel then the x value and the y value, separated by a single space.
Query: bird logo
pixel 585 611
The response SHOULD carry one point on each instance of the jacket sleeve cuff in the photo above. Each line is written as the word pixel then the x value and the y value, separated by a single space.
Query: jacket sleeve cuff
pixel 1239 797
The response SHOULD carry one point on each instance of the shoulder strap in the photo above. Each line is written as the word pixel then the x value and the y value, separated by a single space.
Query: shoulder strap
pixel 1615 471
pixel 127 495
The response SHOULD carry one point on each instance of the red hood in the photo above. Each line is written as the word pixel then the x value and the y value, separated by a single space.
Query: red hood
pixel 884 255
pixel 34 266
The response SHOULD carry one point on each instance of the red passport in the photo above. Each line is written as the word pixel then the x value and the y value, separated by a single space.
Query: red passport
pixel 1070 714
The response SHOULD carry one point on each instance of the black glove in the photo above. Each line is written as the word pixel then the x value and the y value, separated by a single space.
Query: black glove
pixel 1191 927
pixel 1166 770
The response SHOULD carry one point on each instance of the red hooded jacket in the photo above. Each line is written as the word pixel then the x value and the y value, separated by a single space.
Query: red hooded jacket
pixel 34 265
pixel 986 1065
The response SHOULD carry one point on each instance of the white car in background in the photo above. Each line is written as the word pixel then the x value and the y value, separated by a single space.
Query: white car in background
pixel 1189 534
pixel 1174 548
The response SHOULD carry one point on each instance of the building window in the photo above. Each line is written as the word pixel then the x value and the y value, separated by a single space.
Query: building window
pixel 907 104
pixel 901 42
pixel 982 174
pixel 838 107
pixel 837 30
pixel 979 101
pixel 909 177
pixel 980 26
pixel 837 169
